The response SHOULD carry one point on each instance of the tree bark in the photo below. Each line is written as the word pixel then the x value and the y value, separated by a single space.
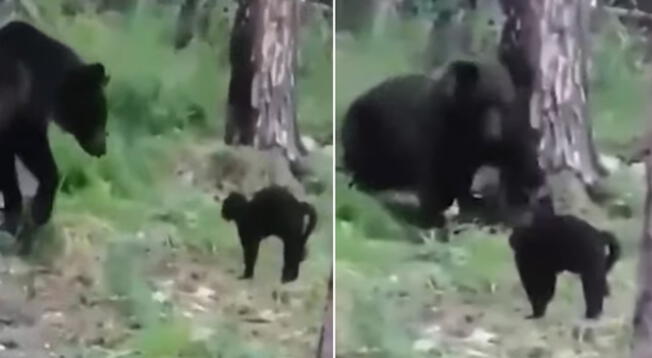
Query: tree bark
pixel 544 46
pixel 325 346
pixel 261 99
pixel 642 345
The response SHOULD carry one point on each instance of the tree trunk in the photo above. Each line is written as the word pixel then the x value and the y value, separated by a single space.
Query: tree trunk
pixel 544 46
pixel 325 346
pixel 642 347
pixel 261 100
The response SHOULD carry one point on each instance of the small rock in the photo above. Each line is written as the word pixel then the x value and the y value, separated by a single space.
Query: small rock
pixel 205 293
pixel 309 143
pixel 424 345
pixel 9 344
pixel 638 169
pixel 475 353
pixel 610 163
pixel 159 296
pixel 482 337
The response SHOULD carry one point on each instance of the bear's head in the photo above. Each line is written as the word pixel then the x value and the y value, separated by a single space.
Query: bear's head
pixel 81 107
pixel 476 97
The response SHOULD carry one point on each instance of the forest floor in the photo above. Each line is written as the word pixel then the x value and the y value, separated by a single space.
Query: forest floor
pixel 464 299
pixel 64 299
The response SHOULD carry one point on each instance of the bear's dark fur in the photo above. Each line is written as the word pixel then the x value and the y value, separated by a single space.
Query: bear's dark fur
pixel 431 135
pixel 555 243
pixel 271 211
pixel 40 78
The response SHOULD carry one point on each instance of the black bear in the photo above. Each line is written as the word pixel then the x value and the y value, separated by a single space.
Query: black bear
pixel 271 211
pixel 41 78
pixel 431 135
pixel 551 244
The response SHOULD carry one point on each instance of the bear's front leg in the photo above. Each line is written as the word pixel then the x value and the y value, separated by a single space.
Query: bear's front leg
pixel 39 160
pixel 13 203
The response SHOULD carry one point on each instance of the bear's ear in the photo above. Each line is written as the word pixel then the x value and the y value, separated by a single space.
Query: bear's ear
pixel 461 79
pixel 96 74
pixel 467 76
pixel 466 73
pixel 85 77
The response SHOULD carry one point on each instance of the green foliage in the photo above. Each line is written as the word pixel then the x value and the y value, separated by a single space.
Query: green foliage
pixel 124 278
pixel 619 87
pixel 229 344
pixel 431 8
pixel 164 340
pixel 174 339
pixel 314 82
pixel 192 218
pixel 359 66
pixel 365 212
pixel 364 254
pixel 375 324
pixel 373 258
pixel 162 102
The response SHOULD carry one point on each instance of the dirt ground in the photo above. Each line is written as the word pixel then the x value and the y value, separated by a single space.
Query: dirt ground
pixel 52 307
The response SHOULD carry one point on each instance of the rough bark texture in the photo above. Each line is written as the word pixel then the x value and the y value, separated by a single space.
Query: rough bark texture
pixel 325 347
pixel 642 347
pixel 545 47
pixel 559 102
pixel 519 50
pixel 261 103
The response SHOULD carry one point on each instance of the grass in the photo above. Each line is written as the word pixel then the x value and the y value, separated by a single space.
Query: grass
pixel 619 87
pixel 390 290
pixel 161 102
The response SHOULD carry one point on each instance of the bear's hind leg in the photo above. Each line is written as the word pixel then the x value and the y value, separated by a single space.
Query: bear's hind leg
pixel 13 201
